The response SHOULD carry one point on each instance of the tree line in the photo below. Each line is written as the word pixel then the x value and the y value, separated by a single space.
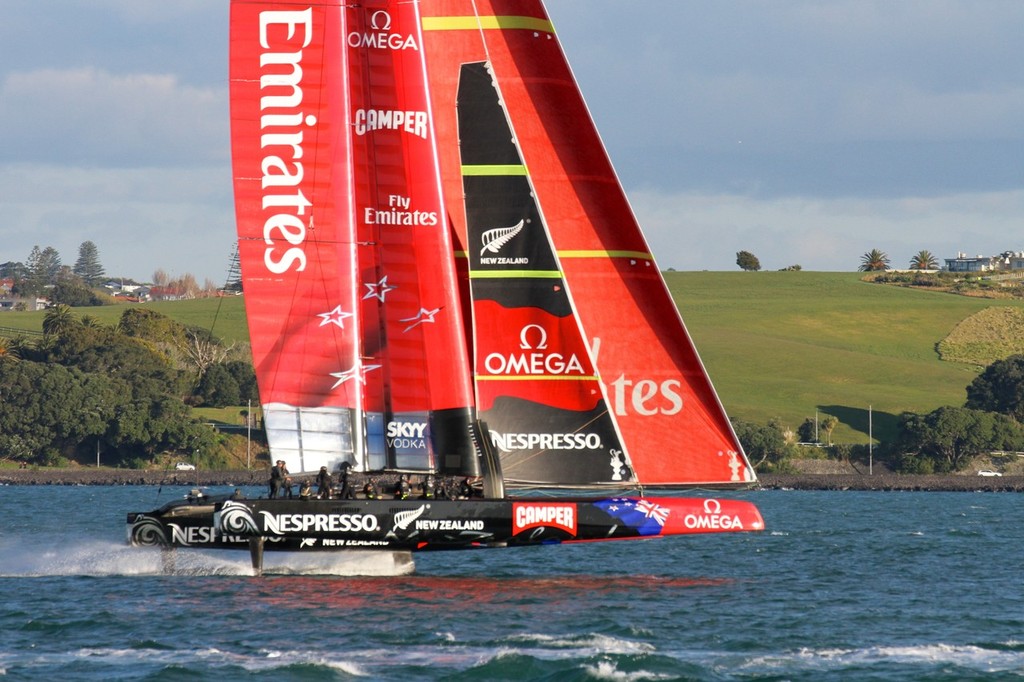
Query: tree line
pixel 945 440
pixel 126 391
pixel 44 275
pixel 872 261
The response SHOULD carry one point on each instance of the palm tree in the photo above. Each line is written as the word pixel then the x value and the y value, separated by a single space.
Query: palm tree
pixel 874 260
pixel 57 319
pixel 6 353
pixel 924 260
pixel 828 425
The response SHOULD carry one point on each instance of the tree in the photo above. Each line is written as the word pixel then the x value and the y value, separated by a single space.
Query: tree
pixel 808 431
pixel 218 387
pixel 763 444
pixel 44 266
pixel 747 261
pixel 150 326
pixel 828 425
pixel 234 282
pixel 999 388
pixel 58 319
pixel 924 260
pixel 16 271
pixel 245 375
pixel 202 350
pixel 7 351
pixel 874 260
pixel 76 295
pixel 949 437
pixel 88 267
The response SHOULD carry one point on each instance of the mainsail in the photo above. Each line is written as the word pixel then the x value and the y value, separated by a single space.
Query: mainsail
pixel 346 261
pixel 429 227
pixel 671 426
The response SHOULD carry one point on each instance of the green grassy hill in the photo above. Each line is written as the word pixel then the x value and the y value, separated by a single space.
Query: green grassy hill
pixel 225 317
pixel 784 344
pixel 776 344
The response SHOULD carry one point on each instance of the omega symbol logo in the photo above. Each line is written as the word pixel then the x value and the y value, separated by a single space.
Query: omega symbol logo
pixel 380 21
pixel 540 336
pixel 712 506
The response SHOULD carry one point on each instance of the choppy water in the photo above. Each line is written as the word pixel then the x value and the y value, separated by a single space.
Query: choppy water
pixel 843 586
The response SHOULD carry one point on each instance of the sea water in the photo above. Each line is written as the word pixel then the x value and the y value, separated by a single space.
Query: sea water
pixel 842 586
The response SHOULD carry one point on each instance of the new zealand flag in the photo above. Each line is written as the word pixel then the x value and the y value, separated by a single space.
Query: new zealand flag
pixel 644 516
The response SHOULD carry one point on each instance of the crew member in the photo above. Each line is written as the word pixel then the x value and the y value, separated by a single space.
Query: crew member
pixel 402 488
pixel 276 478
pixel 323 484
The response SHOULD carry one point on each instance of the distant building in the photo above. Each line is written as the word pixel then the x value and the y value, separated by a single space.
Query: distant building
pixel 965 263
pixel 21 303
pixel 1007 260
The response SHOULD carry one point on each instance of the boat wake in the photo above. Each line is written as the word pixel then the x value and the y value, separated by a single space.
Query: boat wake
pixel 22 559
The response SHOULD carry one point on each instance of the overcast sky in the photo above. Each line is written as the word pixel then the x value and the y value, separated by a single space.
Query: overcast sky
pixel 807 132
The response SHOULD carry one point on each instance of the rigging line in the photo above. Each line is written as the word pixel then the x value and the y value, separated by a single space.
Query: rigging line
pixel 233 267
pixel 480 30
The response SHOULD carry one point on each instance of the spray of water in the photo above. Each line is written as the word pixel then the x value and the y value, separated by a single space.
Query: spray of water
pixel 24 557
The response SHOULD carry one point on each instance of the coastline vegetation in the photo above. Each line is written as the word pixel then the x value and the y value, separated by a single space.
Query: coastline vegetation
pixel 783 348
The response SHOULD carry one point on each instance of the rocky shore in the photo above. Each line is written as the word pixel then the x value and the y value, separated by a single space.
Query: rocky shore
pixel 805 481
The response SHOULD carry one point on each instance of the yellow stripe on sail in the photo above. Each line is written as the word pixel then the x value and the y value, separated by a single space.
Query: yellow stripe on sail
pixel 536 377
pixel 605 254
pixel 516 274
pixel 472 23
pixel 547 274
pixel 495 169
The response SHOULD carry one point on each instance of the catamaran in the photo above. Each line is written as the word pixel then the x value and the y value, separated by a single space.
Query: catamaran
pixel 443 278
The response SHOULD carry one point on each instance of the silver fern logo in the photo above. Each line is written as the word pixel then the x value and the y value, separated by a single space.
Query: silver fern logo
pixel 494 240
pixel 237 519
pixel 404 518
pixel 148 532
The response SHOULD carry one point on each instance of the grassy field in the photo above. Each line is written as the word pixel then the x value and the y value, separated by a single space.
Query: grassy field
pixel 225 317
pixel 784 344
pixel 776 344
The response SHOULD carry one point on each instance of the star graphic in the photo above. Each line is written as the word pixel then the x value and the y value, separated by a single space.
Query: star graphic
pixel 336 316
pixel 358 371
pixel 378 289
pixel 422 317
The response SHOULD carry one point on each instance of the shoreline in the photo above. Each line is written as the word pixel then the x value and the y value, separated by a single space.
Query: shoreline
pixel 258 477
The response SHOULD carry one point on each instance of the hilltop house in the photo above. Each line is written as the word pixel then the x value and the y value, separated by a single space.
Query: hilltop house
pixel 9 301
pixel 1007 260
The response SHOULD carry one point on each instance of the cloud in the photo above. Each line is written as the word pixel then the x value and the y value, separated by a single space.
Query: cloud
pixel 777 99
pixel 87 116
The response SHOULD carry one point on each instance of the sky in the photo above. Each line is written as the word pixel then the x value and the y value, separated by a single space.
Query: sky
pixel 805 132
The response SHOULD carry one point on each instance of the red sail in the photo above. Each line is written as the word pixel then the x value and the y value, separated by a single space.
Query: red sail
pixel 671 422
pixel 347 264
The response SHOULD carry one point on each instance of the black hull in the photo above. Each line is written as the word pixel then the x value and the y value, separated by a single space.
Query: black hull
pixel 425 525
